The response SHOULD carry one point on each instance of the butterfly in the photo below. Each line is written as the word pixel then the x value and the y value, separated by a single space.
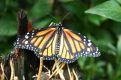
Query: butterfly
pixel 57 42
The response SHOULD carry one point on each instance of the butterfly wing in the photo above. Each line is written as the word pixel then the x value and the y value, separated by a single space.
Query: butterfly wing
pixel 40 41
pixel 73 45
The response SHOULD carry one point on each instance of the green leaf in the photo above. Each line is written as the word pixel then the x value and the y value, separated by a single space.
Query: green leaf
pixel 40 9
pixel 109 9
pixel 95 19
pixel 42 23
pixel 76 8
pixel 5 47
pixel 110 69
pixel 81 62
pixel 105 41
pixel 101 63
pixel 119 45
pixel 65 0
pixel 116 28
pixel 100 66
pixel 8 26
pixel 119 1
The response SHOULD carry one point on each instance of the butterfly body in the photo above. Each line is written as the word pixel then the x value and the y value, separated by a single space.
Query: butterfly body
pixel 58 42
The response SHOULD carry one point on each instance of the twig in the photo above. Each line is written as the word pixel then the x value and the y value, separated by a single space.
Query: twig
pixel 61 75
pixel 72 76
pixel 61 66
pixel 3 74
pixel 47 69
pixel 75 74
pixel 12 69
pixel 40 69
pixel 54 66
pixel 69 72
pixel 56 63
pixel 58 68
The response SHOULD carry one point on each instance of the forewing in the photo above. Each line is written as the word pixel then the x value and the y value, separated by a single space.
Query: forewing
pixel 73 45
pixel 40 41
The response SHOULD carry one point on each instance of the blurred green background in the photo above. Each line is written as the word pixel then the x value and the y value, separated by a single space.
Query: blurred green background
pixel 99 20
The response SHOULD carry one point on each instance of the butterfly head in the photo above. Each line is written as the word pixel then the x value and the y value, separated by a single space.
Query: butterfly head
pixel 59 25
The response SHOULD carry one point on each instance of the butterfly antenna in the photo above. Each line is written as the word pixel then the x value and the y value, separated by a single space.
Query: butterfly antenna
pixel 64 17
pixel 53 18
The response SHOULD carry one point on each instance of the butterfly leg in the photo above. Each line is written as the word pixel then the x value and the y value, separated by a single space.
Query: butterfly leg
pixel 40 69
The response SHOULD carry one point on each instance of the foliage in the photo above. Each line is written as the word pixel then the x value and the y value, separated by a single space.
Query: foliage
pixel 99 20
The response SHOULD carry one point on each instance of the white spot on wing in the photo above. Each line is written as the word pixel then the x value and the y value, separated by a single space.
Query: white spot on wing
pixel 28 33
pixel 89 40
pixel 26 36
pixel 89 44
pixel 26 42
pixel 88 49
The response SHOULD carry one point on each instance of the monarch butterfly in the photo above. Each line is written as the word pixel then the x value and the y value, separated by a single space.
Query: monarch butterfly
pixel 55 41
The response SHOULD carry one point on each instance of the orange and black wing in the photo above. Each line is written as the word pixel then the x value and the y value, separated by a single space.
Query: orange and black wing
pixel 42 42
pixel 73 45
